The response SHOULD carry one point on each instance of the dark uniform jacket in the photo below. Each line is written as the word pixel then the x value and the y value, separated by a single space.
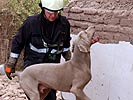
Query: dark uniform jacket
pixel 43 41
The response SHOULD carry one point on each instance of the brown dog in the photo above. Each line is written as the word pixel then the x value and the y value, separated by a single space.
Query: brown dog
pixel 70 76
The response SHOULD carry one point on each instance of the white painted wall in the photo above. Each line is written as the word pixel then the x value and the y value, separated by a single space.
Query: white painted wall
pixel 112 72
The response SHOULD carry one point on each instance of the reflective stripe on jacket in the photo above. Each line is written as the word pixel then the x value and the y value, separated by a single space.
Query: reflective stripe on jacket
pixel 32 34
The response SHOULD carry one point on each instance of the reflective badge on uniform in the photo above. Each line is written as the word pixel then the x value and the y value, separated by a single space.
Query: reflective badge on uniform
pixel 63 33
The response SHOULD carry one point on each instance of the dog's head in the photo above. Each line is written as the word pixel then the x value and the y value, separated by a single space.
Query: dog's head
pixel 84 39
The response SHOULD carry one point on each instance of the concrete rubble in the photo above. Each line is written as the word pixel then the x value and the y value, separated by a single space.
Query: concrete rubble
pixel 10 89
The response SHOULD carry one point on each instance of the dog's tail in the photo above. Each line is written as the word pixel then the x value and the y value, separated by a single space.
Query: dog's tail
pixel 16 74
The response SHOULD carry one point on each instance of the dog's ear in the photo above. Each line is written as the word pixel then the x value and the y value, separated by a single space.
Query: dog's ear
pixel 83 47
pixel 84 41
pixel 90 31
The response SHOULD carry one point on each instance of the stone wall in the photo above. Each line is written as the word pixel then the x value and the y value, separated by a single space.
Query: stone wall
pixel 111 25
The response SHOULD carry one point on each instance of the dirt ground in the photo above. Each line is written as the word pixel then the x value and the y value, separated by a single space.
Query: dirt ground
pixel 10 89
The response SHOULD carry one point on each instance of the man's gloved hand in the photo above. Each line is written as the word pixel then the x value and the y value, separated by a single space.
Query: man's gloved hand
pixel 67 55
pixel 10 67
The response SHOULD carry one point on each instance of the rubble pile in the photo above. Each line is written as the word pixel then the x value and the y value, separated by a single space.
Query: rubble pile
pixel 10 89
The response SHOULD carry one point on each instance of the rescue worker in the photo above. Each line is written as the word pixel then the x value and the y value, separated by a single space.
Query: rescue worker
pixel 44 38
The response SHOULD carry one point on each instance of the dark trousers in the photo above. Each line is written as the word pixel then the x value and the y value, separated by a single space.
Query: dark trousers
pixel 50 96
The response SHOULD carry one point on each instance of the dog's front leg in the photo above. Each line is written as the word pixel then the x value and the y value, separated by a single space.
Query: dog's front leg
pixel 77 98
pixel 80 95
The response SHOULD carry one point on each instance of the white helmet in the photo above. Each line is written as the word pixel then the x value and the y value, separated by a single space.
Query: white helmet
pixel 54 5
